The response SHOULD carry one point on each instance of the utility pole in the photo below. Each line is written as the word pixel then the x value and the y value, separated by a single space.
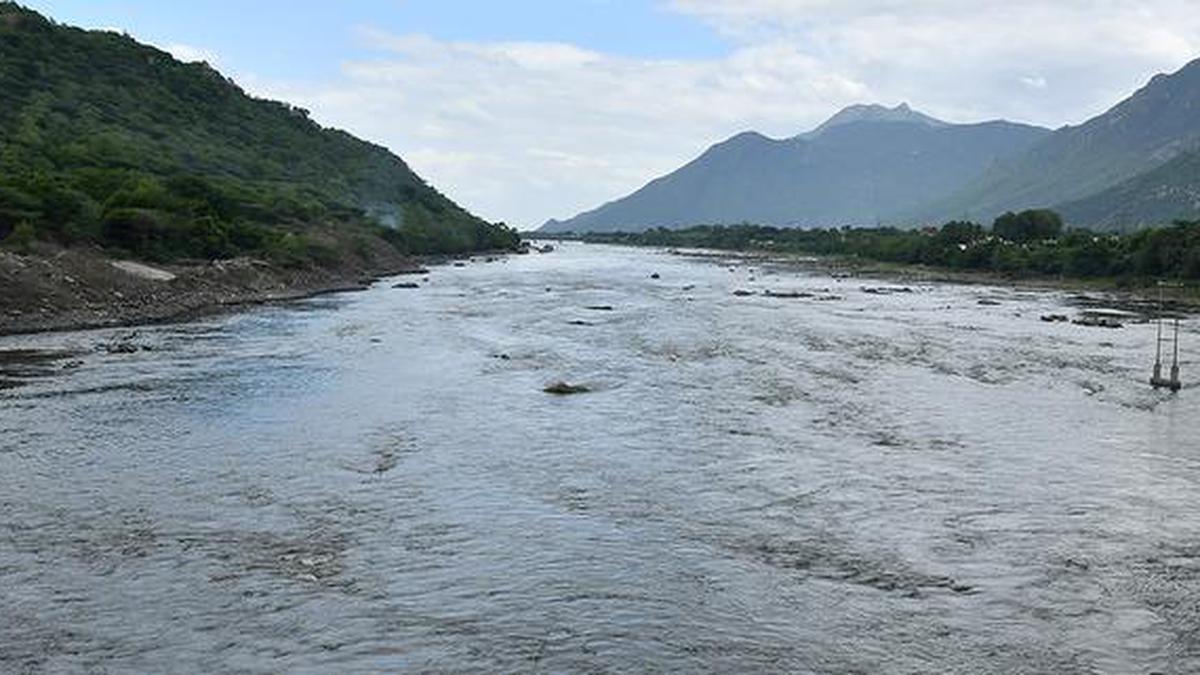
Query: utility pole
pixel 1157 380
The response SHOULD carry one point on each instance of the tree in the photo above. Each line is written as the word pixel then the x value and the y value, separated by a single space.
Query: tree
pixel 960 232
pixel 1028 226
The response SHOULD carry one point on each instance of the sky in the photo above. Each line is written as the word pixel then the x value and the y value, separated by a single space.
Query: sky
pixel 525 110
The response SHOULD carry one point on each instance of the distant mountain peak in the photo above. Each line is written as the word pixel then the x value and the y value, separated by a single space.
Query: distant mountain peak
pixel 863 173
pixel 875 113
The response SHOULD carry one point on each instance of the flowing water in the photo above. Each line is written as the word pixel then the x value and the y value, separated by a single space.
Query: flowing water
pixel 861 481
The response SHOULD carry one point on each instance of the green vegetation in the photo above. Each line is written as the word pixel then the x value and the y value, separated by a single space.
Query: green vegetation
pixel 1028 226
pixel 22 238
pixel 106 141
pixel 1032 244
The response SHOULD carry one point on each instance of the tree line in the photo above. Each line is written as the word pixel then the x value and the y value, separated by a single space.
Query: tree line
pixel 1029 243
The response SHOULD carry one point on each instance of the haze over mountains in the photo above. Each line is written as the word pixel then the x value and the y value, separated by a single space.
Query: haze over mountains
pixel 1138 163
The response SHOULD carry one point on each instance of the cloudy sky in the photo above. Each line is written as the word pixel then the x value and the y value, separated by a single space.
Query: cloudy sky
pixel 525 110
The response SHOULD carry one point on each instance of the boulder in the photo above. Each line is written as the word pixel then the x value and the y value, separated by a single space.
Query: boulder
pixel 561 388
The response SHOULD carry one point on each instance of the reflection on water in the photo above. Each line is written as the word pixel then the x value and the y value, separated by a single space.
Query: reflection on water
pixel 844 477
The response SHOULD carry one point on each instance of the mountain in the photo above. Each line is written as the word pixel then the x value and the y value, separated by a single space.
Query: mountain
pixel 105 140
pixel 1092 170
pixel 862 166
pixel 874 113
pixel 1169 192
pixel 1138 163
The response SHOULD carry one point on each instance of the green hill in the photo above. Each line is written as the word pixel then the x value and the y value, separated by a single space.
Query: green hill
pixel 104 140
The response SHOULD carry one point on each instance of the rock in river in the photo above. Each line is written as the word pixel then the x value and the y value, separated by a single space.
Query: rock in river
pixel 787 294
pixel 564 389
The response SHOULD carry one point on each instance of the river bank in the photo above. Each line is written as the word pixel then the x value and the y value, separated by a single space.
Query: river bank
pixel 967 252
pixel 74 288
pixel 1086 292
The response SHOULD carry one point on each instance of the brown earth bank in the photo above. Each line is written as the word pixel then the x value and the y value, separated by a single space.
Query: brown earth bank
pixel 75 288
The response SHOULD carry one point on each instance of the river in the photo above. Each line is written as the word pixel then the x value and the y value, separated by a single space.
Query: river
pixel 867 480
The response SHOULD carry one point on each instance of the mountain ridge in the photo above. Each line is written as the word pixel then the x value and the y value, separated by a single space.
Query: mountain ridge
pixel 1146 130
pixel 859 166
pixel 1117 169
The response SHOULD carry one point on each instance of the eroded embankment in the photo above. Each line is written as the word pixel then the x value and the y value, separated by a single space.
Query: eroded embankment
pixel 75 288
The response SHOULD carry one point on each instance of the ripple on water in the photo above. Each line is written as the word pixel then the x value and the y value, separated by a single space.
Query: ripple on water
pixel 850 482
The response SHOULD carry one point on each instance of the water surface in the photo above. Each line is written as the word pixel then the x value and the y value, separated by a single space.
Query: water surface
pixel 858 481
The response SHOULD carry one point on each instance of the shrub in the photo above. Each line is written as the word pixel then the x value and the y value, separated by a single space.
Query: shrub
pixel 22 238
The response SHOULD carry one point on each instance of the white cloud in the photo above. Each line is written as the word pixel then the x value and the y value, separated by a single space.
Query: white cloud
pixel 961 58
pixel 523 131
pixel 1034 81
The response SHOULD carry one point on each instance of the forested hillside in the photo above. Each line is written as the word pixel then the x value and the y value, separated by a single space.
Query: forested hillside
pixel 104 140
